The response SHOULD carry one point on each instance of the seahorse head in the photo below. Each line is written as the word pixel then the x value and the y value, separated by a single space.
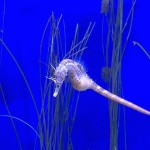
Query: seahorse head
pixel 59 77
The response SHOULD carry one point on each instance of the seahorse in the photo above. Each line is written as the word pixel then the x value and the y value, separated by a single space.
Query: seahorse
pixel 81 82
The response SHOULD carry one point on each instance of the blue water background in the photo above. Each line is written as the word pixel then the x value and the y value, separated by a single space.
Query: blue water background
pixel 23 27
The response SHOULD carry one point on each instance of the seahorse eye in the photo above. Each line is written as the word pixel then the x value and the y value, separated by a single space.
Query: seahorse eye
pixel 59 77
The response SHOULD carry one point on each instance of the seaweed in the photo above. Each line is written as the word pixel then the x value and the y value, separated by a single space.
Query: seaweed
pixel 113 50
pixel 57 115
pixel 142 48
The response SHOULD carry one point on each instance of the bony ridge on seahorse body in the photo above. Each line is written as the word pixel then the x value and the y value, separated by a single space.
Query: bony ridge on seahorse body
pixel 81 82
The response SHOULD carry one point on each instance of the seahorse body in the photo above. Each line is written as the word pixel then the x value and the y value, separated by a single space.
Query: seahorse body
pixel 81 82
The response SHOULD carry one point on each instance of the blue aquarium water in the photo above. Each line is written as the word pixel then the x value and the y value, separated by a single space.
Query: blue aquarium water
pixel 31 119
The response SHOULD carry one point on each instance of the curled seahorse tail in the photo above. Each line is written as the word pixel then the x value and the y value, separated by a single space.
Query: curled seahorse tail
pixel 118 99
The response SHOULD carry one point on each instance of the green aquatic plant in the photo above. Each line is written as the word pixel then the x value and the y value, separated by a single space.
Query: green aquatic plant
pixel 10 116
pixel 142 48
pixel 106 74
pixel 60 115
pixel 113 50
pixel 2 29
pixel 57 115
